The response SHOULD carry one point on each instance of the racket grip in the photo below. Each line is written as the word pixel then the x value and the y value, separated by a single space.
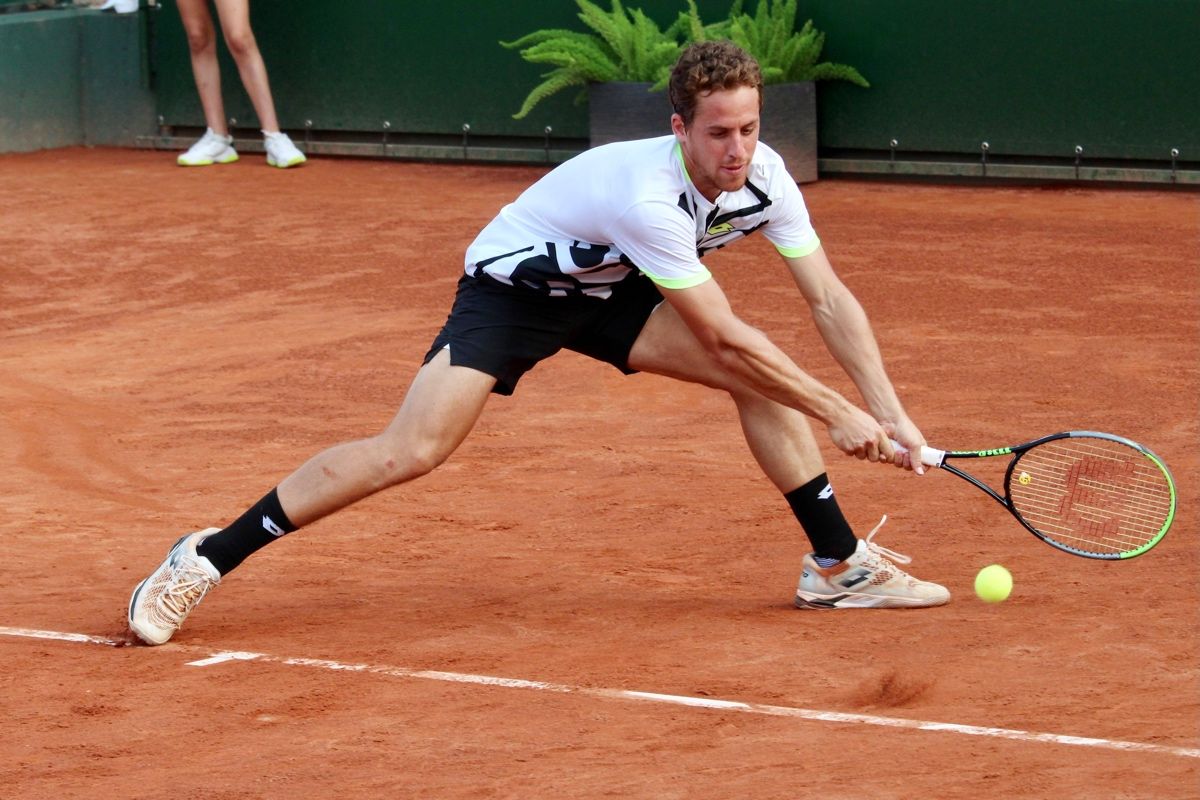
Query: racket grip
pixel 929 456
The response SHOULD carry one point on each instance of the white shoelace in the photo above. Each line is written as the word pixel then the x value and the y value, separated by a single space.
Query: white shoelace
pixel 187 587
pixel 880 550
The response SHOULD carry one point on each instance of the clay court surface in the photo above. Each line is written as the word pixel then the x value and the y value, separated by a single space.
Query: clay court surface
pixel 174 342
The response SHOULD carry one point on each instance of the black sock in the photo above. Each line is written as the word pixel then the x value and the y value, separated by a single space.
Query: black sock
pixel 819 514
pixel 263 523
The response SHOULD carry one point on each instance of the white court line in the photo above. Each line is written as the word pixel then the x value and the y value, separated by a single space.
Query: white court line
pixel 624 694
pixel 220 658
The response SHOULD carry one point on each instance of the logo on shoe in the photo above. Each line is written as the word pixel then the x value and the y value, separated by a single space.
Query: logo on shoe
pixel 854 577
pixel 270 527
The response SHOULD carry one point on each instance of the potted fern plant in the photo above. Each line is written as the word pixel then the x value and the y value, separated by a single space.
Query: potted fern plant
pixel 622 66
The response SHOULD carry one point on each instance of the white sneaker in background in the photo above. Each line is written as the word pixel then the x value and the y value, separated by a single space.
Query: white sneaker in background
pixel 212 148
pixel 280 150
pixel 119 6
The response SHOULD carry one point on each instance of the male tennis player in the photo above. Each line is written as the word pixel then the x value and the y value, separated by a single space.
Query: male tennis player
pixel 602 256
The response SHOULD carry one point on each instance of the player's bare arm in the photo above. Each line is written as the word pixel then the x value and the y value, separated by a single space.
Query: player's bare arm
pixel 847 332
pixel 747 354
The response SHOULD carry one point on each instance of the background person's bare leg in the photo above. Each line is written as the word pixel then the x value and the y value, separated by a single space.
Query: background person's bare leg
pixel 239 37
pixel 202 46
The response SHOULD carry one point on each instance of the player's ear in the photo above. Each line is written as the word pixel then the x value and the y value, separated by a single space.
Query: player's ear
pixel 678 128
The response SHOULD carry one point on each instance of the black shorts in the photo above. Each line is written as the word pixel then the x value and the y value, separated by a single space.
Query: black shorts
pixel 504 331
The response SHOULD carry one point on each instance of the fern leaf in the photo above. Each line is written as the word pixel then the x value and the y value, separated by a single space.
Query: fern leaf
pixel 688 25
pixel 772 75
pixel 537 37
pixel 782 19
pixel 838 72
pixel 603 23
pixel 810 43
pixel 555 81
pixel 586 59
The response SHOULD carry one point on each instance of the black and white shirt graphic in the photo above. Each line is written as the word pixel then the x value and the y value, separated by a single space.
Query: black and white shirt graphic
pixel 631 206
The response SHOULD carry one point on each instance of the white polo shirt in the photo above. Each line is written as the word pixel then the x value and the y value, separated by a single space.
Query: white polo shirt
pixel 626 206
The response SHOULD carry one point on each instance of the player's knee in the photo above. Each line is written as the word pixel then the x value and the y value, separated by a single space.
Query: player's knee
pixel 398 465
pixel 424 460
pixel 200 38
pixel 240 42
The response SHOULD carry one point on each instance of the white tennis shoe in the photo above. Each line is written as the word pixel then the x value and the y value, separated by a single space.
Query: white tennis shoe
pixel 211 148
pixel 867 579
pixel 281 152
pixel 119 6
pixel 161 603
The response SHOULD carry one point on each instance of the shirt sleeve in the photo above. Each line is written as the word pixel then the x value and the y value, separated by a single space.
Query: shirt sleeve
pixel 790 228
pixel 659 238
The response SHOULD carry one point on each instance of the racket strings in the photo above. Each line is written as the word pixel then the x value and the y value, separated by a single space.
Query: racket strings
pixel 1091 494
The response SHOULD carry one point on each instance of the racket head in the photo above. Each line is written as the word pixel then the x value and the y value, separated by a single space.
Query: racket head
pixel 1091 494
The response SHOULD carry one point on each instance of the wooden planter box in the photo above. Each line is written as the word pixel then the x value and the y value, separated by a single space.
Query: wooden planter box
pixel 620 111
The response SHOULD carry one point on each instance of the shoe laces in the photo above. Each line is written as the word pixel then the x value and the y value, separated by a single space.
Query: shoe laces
pixel 188 585
pixel 880 551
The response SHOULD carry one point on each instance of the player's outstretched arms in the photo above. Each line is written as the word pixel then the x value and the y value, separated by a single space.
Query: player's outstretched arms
pixel 752 358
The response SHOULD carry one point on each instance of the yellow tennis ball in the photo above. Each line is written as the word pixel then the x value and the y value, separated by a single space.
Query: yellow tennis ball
pixel 993 584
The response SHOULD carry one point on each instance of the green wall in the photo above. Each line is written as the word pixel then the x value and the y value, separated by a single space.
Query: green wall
pixel 1119 77
pixel 39 81
pixel 1032 78
pixel 71 77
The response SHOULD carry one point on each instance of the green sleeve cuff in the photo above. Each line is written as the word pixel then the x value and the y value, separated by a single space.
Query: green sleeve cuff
pixel 680 283
pixel 799 252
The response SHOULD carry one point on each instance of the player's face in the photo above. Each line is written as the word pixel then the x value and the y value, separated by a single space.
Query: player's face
pixel 720 142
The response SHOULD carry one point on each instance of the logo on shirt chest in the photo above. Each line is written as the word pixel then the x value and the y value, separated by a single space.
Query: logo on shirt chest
pixel 720 229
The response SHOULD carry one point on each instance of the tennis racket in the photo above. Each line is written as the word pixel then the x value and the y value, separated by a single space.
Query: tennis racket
pixel 1089 494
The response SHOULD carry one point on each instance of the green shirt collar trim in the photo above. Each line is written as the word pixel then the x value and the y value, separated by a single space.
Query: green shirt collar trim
pixel 682 163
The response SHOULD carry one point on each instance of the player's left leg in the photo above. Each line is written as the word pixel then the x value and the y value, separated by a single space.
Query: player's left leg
pixel 780 438
pixel 842 571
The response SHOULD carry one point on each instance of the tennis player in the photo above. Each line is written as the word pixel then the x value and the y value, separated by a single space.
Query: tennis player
pixel 602 256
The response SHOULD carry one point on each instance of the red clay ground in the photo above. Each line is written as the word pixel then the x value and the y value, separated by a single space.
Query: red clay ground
pixel 174 342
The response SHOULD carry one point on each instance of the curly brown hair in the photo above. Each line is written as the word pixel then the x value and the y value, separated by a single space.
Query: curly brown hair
pixel 705 67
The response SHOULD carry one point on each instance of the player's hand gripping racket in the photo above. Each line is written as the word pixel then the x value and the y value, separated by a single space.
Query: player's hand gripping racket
pixel 1090 494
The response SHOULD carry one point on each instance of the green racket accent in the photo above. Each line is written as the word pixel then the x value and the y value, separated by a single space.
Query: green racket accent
pixel 1166 526
pixel 999 451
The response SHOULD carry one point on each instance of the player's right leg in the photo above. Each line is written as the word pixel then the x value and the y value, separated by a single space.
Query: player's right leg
pixel 441 407
pixel 216 145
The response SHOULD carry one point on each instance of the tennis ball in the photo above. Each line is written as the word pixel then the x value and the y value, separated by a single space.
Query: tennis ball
pixel 993 584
